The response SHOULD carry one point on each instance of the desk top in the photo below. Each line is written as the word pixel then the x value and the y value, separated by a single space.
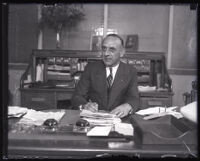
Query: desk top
pixel 66 144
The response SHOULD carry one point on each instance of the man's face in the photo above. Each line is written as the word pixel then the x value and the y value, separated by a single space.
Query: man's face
pixel 111 51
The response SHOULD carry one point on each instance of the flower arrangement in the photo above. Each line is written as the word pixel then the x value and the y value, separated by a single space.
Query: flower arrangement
pixel 58 16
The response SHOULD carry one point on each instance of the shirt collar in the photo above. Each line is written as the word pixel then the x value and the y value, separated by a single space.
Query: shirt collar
pixel 115 67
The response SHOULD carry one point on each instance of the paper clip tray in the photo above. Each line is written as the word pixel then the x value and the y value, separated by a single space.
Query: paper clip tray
pixel 163 130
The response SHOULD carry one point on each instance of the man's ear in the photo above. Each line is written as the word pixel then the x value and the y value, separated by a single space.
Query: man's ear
pixel 122 52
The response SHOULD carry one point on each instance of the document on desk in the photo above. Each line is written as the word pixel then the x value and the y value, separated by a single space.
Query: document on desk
pixel 124 128
pixel 99 131
pixel 38 117
pixel 16 111
pixel 190 111
pixel 160 111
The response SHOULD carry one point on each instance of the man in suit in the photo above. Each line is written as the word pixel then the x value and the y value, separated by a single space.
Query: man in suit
pixel 109 84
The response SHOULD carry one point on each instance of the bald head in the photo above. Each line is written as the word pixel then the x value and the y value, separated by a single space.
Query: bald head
pixel 114 36
pixel 112 49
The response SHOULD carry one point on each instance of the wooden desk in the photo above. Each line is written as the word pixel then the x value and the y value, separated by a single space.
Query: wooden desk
pixel 64 144
pixel 44 99
pixel 152 99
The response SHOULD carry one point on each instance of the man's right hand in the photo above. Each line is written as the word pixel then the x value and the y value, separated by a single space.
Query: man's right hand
pixel 91 106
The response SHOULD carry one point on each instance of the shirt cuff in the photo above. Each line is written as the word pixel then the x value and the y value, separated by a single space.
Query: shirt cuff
pixel 131 112
pixel 81 107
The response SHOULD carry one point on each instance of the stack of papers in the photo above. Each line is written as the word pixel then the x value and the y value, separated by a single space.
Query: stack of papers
pixel 38 117
pixel 99 118
pixel 16 111
pixel 105 122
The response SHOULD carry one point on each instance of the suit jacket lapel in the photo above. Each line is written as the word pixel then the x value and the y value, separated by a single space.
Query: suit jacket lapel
pixel 101 83
pixel 117 84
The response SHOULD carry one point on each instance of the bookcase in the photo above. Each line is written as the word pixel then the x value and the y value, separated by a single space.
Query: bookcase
pixel 52 75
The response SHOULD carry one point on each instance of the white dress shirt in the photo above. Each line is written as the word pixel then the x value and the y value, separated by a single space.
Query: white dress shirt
pixel 114 71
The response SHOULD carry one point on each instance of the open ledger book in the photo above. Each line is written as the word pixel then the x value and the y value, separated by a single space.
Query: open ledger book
pixel 99 118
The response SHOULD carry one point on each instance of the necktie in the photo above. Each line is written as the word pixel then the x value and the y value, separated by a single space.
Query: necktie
pixel 109 83
pixel 110 79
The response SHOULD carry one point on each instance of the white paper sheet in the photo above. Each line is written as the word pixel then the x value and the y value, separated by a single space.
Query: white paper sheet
pixel 38 117
pixel 157 110
pixel 189 111
pixel 146 88
pixel 99 131
pixel 16 111
pixel 124 128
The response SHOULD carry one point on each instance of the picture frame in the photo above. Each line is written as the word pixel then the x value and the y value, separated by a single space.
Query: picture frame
pixel 131 42
pixel 96 42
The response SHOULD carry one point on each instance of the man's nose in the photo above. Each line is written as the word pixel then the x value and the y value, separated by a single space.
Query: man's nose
pixel 107 52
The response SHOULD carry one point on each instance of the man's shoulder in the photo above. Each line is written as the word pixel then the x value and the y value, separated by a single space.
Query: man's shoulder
pixel 96 65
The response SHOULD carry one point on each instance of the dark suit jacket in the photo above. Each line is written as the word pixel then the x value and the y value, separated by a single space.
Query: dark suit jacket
pixel 92 85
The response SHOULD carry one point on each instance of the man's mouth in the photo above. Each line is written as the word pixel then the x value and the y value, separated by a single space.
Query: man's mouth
pixel 108 59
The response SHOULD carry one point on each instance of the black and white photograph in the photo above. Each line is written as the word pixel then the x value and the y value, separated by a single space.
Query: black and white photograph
pixel 100 80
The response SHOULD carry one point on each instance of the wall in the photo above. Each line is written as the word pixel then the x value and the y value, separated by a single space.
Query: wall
pixel 150 22
pixel 126 19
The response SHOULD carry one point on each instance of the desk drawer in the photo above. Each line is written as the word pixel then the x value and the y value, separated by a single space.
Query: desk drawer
pixel 38 100
pixel 146 102
pixel 66 95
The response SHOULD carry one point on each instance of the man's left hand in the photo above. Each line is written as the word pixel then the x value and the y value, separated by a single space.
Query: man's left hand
pixel 122 110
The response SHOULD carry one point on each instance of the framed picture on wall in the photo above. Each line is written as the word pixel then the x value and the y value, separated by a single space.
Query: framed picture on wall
pixel 96 42
pixel 131 43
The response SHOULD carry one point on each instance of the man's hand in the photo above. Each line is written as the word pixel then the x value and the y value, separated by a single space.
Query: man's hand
pixel 122 110
pixel 91 106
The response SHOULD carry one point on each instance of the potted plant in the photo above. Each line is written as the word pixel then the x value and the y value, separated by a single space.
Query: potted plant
pixel 59 16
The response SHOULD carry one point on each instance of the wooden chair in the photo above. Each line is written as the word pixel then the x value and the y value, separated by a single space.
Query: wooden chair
pixel 192 96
